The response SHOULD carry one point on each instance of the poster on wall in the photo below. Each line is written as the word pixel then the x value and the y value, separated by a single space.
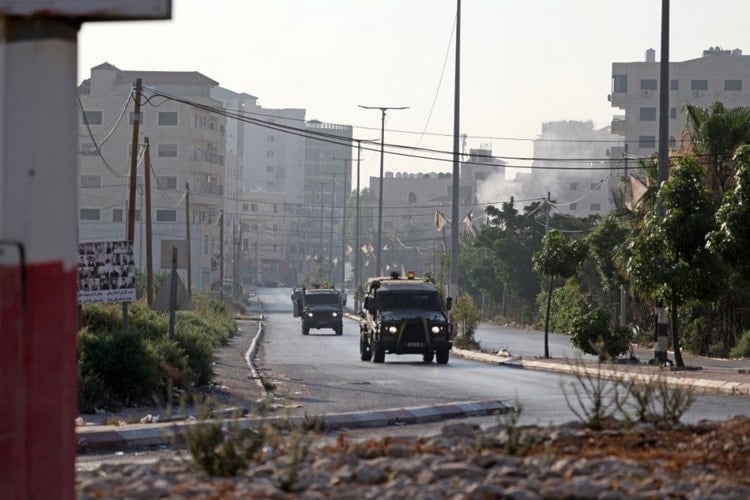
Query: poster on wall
pixel 106 272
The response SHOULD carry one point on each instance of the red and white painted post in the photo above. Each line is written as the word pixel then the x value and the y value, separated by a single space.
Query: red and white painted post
pixel 38 238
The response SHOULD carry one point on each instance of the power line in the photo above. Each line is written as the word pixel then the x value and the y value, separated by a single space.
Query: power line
pixel 343 141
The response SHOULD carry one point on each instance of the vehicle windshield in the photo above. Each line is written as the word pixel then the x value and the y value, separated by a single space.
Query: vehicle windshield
pixel 427 301
pixel 322 299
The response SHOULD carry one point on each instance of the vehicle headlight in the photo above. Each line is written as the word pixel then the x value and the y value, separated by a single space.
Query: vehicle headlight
pixel 309 315
pixel 335 315
pixel 435 329
pixel 392 329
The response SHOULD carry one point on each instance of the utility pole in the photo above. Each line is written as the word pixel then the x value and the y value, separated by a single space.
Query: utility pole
pixel 134 160
pixel 187 237
pixel 221 255
pixel 453 288
pixel 149 249
pixel 379 249
pixel 343 220
pixel 330 240
pixel 357 256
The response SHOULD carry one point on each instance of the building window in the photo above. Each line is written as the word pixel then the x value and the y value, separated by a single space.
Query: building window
pixel 647 141
pixel 92 118
pixel 275 208
pixel 167 181
pixel 91 181
pixel 205 244
pixel 648 114
pixel 733 85
pixel 167 117
pixel 620 83
pixel 269 154
pixel 573 186
pixel 166 150
pixel 595 207
pixel 269 168
pixel 270 138
pixel 117 215
pixel 672 113
pixel 245 207
pixel 254 226
pixel 166 216
pixel 88 214
pixel 253 207
pixel 137 214
pixel 648 84
pixel 698 84
pixel 275 228
pixel 674 85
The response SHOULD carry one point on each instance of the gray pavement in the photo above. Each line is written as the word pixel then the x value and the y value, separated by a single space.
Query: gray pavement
pixel 705 375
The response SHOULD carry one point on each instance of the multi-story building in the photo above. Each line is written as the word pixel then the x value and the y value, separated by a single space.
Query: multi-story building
pixel 410 204
pixel 187 147
pixel 268 246
pixel 327 186
pixel 717 76
pixel 572 165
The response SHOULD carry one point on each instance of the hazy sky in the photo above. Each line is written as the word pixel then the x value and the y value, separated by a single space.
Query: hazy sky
pixel 524 62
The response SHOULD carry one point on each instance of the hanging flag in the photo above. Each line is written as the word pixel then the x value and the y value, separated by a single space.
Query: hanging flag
pixel 440 220
pixel 469 223
pixel 335 261
pixel 386 247
pixel 348 249
pixel 636 190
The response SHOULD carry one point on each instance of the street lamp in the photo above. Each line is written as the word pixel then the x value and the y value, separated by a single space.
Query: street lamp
pixel 379 248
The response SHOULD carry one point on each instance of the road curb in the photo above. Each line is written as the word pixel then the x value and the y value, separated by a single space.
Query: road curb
pixel 154 435
pixel 705 386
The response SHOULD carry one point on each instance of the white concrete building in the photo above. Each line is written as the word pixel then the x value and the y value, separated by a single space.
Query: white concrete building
pixel 187 146
pixel 573 165
pixel 718 75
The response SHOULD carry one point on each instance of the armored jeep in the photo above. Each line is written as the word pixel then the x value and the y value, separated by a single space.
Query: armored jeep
pixel 319 307
pixel 404 315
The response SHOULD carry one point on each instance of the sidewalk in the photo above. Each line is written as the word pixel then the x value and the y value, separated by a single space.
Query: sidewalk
pixel 704 375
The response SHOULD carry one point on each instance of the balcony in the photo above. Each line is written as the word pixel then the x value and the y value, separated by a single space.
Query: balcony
pixel 618 126
pixel 207 156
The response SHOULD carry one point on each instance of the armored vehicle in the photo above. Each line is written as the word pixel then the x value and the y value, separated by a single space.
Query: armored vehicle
pixel 319 308
pixel 404 315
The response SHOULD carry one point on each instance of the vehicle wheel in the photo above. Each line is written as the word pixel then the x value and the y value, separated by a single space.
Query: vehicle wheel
pixel 378 354
pixel 305 329
pixel 442 356
pixel 365 353
pixel 427 357
pixel 339 329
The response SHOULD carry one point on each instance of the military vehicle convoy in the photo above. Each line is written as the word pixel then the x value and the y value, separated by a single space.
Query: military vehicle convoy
pixel 319 307
pixel 404 315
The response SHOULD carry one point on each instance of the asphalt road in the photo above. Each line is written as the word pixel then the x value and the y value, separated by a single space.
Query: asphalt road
pixel 321 373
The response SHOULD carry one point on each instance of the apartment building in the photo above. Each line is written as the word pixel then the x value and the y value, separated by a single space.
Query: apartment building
pixel 410 203
pixel 572 164
pixel 717 76
pixel 186 148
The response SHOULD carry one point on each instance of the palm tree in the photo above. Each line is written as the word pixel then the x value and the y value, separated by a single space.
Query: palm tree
pixel 715 133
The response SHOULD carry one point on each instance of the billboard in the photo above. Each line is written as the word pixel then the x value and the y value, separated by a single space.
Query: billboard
pixel 106 272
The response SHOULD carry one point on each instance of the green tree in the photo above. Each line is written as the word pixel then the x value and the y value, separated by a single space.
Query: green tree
pixel 667 258
pixel 715 133
pixel 557 257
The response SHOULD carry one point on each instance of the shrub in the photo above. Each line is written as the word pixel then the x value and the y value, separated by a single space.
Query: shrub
pixel 223 450
pixel 101 317
pixel 593 334
pixel 124 363
pixel 199 352
pixel 742 349
pixel 174 368
pixel 468 315
pixel 568 303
